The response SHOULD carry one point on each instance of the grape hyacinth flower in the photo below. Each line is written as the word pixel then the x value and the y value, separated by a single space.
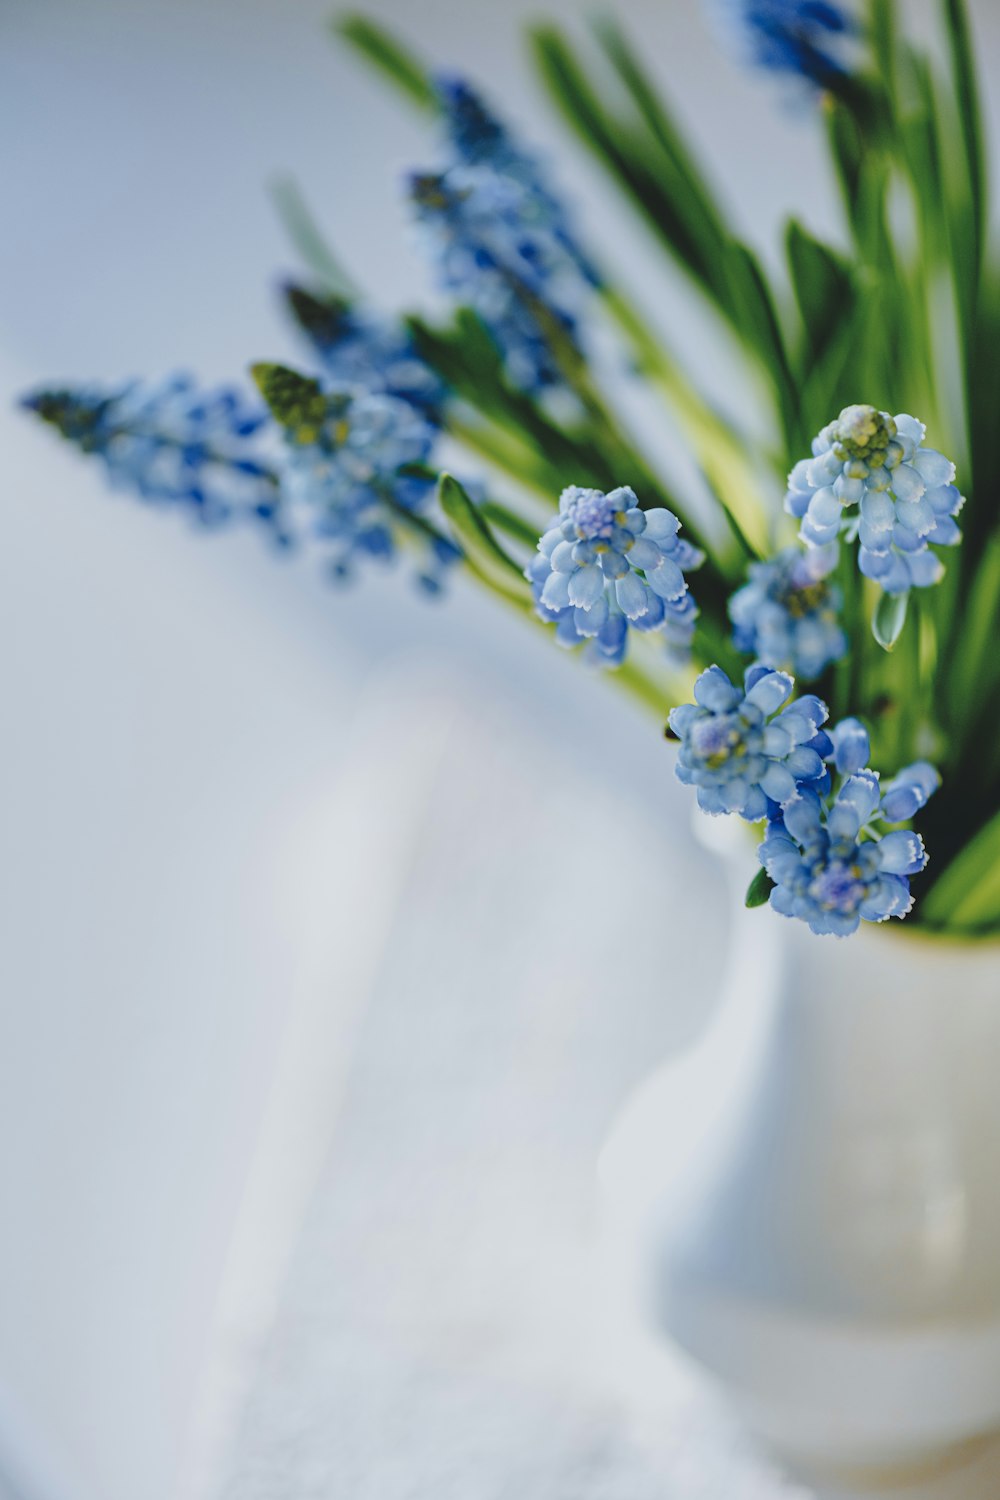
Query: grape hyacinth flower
pixel 501 241
pixel 800 37
pixel 170 442
pixel 908 792
pixel 355 471
pixel 363 352
pixel 479 139
pixel 606 565
pixel 745 752
pixel 786 614
pixel 496 253
pixel 832 864
pixel 903 492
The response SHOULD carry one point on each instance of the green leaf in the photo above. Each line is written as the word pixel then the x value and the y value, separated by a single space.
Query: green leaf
pixel 295 400
pixel 642 150
pixel 321 319
pixel 468 361
pixel 653 110
pixel 884 29
pixel 640 166
pixel 306 236
pixel 848 154
pixel 973 666
pixel 889 619
pixel 966 897
pixel 760 326
pixel 507 520
pixel 382 50
pixel 482 551
pixel 759 889
pixel 823 287
pixel 966 88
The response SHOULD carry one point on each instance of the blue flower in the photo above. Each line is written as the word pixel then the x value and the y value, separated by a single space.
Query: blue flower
pixel 908 792
pixel 743 751
pixel 801 37
pixel 501 240
pixel 354 472
pixel 786 615
pixel 496 251
pixel 172 443
pixel 905 498
pixel 831 866
pixel 479 139
pixel 363 352
pixel 851 746
pixel 606 565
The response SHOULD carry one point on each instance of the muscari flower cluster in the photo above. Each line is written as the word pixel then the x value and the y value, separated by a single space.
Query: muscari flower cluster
pixel 905 498
pixel 832 860
pixel 746 751
pixel 478 138
pixel 361 351
pixel 786 615
pixel 501 241
pixel 801 37
pixel 355 472
pixel 172 443
pixel 605 566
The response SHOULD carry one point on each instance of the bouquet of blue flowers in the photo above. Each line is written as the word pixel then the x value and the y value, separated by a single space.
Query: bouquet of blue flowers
pixel 800 614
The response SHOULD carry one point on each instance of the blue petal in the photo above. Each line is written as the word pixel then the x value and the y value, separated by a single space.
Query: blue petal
pixel 682 717
pixel 714 691
pixel 667 579
pixel 661 524
pixel 902 853
pixel 779 784
pixel 851 746
pixel 907 484
pixel 768 690
pixel 804 764
pixel 755 806
pixel 555 594
pixel 933 468
pixel 861 792
pixel 586 586
pixel 631 595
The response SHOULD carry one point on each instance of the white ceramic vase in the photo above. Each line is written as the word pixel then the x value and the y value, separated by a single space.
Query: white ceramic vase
pixel 809 1201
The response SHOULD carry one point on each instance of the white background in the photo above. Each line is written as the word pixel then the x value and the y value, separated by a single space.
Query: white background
pixel 223 786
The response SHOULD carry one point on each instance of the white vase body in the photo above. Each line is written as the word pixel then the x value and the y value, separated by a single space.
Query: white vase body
pixel 809 1202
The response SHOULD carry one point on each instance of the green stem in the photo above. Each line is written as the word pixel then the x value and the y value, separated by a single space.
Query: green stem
pixel 721 454
pixel 508 452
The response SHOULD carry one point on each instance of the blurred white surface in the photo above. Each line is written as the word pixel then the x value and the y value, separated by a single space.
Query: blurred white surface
pixel 180 717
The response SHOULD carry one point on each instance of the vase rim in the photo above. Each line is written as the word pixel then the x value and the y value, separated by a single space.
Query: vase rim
pixel 915 933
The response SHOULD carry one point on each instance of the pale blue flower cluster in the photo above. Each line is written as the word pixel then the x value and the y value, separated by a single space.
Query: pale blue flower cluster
pixel 501 241
pixel 832 861
pixel 479 139
pixel 354 473
pixel 606 565
pixel 786 615
pixel 749 751
pixel 801 37
pixel 172 443
pixel 361 351
pixel 905 498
